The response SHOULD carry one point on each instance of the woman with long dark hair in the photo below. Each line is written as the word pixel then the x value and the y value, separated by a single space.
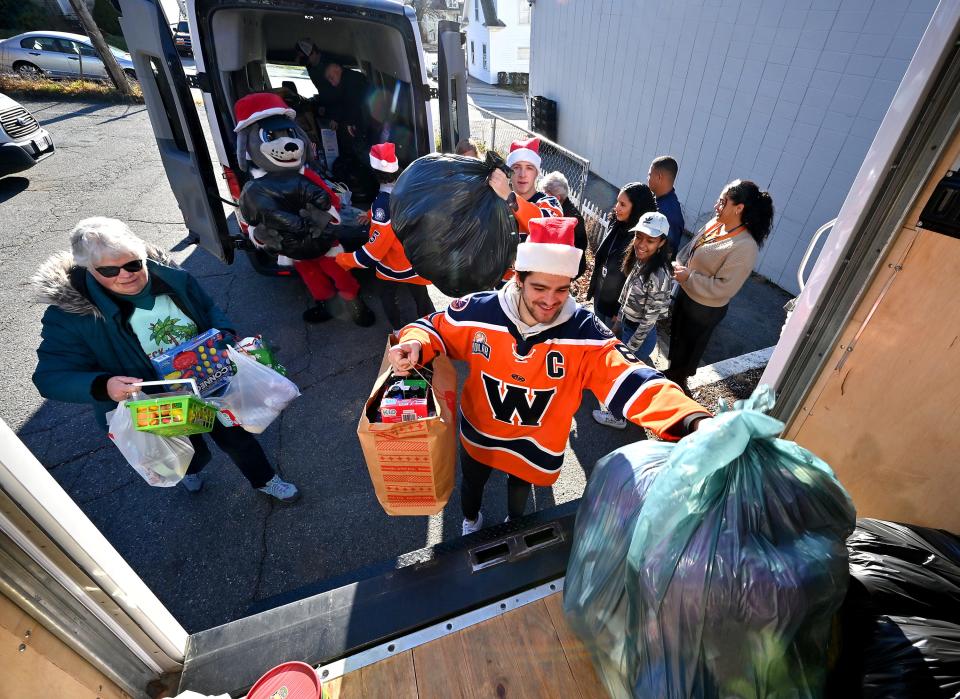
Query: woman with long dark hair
pixel 712 268
pixel 646 294
pixel 634 200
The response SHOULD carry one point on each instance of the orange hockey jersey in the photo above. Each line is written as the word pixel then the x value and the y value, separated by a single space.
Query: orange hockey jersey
pixel 383 251
pixel 540 206
pixel 521 394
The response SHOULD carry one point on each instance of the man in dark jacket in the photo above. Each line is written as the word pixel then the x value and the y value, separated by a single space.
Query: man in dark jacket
pixel 107 298
pixel 660 178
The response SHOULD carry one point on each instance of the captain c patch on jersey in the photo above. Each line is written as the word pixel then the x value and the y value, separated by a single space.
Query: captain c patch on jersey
pixel 480 345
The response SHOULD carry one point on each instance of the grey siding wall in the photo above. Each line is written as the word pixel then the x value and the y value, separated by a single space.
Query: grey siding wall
pixel 788 93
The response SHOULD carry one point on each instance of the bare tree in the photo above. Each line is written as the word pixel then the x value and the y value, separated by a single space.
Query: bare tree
pixel 116 73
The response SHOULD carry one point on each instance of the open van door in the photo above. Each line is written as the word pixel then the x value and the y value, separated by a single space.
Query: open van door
pixel 452 79
pixel 176 124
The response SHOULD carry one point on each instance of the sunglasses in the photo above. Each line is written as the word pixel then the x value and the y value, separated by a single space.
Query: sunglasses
pixel 133 266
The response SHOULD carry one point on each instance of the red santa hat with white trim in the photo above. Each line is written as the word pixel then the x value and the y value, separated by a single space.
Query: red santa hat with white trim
pixel 259 105
pixel 383 157
pixel 549 248
pixel 525 151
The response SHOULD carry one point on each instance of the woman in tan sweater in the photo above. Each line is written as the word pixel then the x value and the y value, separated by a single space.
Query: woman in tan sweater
pixel 711 269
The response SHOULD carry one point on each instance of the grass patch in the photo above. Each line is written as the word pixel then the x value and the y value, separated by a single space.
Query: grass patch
pixel 15 86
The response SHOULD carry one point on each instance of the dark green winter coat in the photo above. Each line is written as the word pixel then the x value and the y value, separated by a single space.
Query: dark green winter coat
pixel 86 337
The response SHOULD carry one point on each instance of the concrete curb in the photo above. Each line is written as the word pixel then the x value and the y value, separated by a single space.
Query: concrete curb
pixel 712 373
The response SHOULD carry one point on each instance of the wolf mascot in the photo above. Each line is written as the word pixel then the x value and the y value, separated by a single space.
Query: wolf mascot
pixel 289 208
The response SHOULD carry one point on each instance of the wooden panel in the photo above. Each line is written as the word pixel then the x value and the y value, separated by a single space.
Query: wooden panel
pixel 541 653
pixel 392 678
pixel 46 667
pixel 887 421
pixel 439 667
pixel 349 686
pixel 578 657
pixel 493 662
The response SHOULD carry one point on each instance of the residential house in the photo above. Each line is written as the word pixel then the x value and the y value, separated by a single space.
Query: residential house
pixel 431 12
pixel 787 94
pixel 498 38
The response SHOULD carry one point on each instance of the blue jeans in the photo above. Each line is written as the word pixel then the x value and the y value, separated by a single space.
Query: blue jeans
pixel 627 328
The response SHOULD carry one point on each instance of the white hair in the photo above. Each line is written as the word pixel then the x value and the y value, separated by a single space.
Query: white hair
pixel 97 238
pixel 555 184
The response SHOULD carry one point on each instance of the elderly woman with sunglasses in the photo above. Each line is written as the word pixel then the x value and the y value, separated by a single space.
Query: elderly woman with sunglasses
pixel 106 297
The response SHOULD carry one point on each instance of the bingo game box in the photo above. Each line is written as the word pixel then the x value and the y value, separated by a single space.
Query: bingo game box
pixel 203 358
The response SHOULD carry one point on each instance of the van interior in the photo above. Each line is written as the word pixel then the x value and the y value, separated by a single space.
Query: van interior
pixel 255 51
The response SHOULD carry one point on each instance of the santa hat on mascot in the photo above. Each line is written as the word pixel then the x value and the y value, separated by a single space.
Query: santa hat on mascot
pixel 549 248
pixel 525 151
pixel 257 106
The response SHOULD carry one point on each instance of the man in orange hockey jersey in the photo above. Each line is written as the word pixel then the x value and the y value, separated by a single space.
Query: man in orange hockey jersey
pixel 383 251
pixel 520 191
pixel 532 350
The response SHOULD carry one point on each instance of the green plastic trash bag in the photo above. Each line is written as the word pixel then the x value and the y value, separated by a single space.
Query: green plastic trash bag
pixel 712 567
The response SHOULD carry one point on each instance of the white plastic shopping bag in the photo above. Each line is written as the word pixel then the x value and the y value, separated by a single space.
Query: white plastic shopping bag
pixel 256 393
pixel 162 461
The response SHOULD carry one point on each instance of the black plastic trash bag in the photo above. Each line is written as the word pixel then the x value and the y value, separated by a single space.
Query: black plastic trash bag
pixel 900 622
pixel 272 204
pixel 713 567
pixel 456 231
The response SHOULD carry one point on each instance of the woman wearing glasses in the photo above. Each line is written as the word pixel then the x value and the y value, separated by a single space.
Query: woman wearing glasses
pixel 711 269
pixel 114 302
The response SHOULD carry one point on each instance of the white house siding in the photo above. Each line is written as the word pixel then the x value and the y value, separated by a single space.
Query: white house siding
pixel 509 39
pixel 479 35
pixel 789 93
pixel 502 43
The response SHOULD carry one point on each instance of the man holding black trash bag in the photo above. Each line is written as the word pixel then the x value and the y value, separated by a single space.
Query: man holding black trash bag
pixel 520 191
pixel 532 350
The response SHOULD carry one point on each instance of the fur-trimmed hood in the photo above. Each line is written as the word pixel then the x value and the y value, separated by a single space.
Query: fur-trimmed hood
pixel 60 282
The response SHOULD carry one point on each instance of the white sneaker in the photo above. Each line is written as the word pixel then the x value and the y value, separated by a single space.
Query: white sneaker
pixel 607 419
pixel 472 525
pixel 192 482
pixel 278 488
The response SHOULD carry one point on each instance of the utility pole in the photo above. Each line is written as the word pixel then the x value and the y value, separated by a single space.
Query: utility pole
pixel 116 74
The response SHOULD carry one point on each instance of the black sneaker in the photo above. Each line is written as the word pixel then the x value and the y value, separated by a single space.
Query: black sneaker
pixel 317 313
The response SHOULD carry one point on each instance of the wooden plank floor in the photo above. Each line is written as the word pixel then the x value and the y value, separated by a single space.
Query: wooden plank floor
pixel 529 652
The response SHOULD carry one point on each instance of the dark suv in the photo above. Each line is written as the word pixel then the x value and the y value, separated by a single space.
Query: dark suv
pixel 181 38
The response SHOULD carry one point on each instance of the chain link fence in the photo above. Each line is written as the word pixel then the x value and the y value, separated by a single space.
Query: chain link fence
pixel 492 131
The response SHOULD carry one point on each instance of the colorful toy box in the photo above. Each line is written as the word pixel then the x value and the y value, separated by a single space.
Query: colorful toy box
pixel 203 358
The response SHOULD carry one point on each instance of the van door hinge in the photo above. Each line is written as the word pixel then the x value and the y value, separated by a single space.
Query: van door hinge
pixel 199 81
pixel 433 92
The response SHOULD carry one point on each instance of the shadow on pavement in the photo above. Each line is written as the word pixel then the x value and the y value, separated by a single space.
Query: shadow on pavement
pixel 12 186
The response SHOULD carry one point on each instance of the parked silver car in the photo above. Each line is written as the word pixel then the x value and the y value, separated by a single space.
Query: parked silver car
pixel 23 143
pixel 57 55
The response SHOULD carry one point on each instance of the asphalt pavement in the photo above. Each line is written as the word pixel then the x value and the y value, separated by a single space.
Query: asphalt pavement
pixel 209 556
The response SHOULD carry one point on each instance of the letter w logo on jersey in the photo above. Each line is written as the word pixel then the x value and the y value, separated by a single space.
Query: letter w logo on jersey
pixel 516 405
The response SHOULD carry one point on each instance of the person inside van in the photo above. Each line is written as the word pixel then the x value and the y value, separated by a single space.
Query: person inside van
pixel 341 93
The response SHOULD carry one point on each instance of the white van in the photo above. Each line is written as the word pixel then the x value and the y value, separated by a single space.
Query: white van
pixel 244 47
